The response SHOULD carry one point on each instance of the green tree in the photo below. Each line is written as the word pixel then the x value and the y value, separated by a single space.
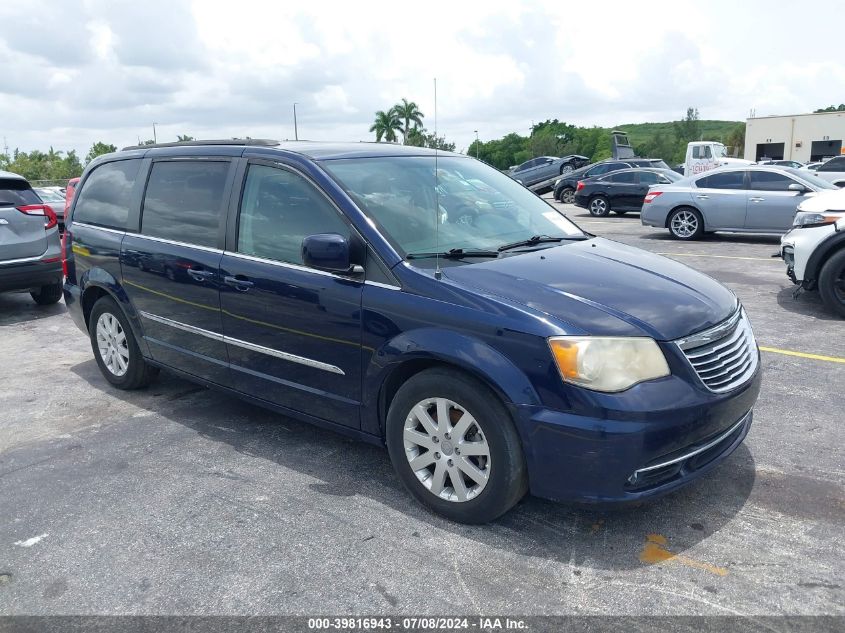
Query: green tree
pixel 408 112
pixel 386 125
pixel 688 129
pixel 736 139
pixel 98 149
pixel 839 108
pixel 181 138
pixel 420 137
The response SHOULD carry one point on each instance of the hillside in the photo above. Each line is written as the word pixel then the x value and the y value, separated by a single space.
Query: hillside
pixel 642 133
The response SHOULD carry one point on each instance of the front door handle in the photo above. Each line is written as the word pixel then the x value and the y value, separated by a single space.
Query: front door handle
pixel 200 275
pixel 702 196
pixel 755 199
pixel 239 282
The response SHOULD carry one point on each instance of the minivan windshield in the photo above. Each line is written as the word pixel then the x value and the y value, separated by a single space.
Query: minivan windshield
pixel 478 207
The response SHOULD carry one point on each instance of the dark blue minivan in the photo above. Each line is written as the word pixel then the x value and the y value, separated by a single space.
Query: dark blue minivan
pixel 415 299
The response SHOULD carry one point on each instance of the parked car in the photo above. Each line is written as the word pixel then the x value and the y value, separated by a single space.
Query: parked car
pixel 52 197
pixel 784 163
pixel 755 199
pixel 30 251
pixel 513 354
pixel 833 170
pixel 69 191
pixel 543 168
pixel 814 250
pixel 620 191
pixel 814 166
pixel 564 189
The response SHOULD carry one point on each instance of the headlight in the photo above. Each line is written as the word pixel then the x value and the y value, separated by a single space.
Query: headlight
pixel 608 363
pixel 808 219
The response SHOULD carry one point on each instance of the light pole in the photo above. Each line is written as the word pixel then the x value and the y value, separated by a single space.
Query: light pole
pixel 295 129
pixel 155 140
pixel 476 144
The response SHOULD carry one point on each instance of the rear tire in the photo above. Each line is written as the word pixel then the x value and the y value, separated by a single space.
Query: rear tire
pixel 832 283
pixel 685 223
pixel 481 484
pixel 599 207
pixel 115 348
pixel 47 295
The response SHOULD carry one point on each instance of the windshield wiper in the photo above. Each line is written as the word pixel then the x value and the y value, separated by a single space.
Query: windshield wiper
pixel 538 239
pixel 455 253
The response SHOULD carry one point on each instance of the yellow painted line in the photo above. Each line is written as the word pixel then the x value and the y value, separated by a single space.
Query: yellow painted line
pixel 789 352
pixel 758 259
pixel 654 552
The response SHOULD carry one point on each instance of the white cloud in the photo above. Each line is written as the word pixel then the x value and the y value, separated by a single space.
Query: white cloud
pixel 106 70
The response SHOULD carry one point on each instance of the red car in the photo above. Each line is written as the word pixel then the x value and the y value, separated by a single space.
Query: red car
pixel 71 187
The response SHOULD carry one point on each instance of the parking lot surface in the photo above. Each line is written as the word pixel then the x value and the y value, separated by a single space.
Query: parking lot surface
pixel 180 500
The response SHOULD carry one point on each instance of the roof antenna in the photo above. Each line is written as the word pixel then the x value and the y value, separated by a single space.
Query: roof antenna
pixel 437 273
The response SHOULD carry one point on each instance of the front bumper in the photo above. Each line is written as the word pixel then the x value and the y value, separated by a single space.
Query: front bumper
pixel 628 457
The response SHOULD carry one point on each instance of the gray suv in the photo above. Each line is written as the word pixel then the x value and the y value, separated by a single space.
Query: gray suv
pixel 30 249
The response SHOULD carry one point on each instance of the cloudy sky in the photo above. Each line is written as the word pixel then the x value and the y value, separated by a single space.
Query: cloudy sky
pixel 72 73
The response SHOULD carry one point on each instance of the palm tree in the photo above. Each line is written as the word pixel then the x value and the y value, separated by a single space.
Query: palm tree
pixel 386 126
pixel 409 112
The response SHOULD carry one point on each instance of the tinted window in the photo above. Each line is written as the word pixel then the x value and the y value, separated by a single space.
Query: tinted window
pixel 723 180
pixel 649 178
pixel 279 208
pixel 104 199
pixel 17 192
pixel 770 181
pixel 628 177
pixel 183 201
pixel 834 164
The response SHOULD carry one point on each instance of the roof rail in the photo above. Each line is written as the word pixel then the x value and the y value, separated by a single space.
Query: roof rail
pixel 260 142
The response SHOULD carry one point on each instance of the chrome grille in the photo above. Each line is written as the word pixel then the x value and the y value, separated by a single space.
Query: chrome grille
pixel 725 356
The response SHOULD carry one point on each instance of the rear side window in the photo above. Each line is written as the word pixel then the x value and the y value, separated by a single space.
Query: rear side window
pixel 104 200
pixel 724 180
pixel 183 201
pixel 650 178
pixel 16 192
pixel 280 208
pixel 626 178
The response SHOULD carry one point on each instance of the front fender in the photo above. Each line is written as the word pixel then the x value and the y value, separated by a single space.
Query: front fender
pixel 448 347
pixel 820 254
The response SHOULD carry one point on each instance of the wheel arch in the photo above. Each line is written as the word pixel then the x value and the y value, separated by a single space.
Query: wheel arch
pixel 824 251
pixel 96 290
pixel 413 352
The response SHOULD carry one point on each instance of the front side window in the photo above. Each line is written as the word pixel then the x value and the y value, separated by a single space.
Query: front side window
pixel 402 198
pixel 105 197
pixel 722 180
pixel 278 209
pixel 834 164
pixel 184 201
pixel 770 181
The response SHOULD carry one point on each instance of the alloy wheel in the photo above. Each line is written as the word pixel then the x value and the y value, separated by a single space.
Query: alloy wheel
pixel 567 196
pixel 112 344
pixel 446 449
pixel 598 206
pixel 684 224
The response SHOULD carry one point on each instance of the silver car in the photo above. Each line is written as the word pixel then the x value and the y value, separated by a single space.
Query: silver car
pixel 748 199
pixel 30 250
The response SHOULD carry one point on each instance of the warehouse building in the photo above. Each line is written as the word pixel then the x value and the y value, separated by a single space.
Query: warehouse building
pixel 801 137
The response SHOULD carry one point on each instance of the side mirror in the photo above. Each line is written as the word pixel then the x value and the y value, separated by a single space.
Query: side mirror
pixel 328 251
pixel 796 187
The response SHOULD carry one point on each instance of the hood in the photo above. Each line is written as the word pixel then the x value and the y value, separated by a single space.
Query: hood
pixel 827 200
pixel 605 288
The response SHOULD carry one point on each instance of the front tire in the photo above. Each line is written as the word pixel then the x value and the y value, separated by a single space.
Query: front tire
pixel 47 295
pixel 599 207
pixel 115 348
pixel 686 224
pixel 454 446
pixel 567 196
pixel 832 283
